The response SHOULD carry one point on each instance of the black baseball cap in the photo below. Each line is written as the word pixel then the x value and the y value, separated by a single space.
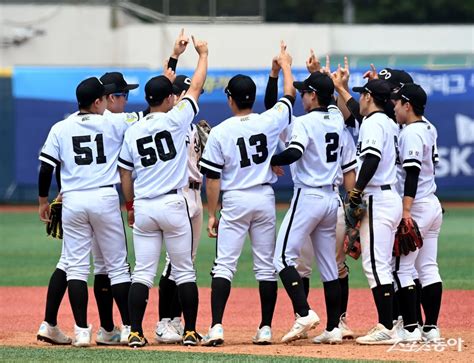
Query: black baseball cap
pixel 396 77
pixel 182 83
pixel 118 80
pixel 91 89
pixel 158 88
pixel 241 88
pixel 318 82
pixel 412 93
pixel 377 88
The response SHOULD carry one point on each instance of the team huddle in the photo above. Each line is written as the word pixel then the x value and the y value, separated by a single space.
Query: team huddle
pixel 390 215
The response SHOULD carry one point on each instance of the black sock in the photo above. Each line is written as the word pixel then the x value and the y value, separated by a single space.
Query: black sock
pixel 137 301
pixel 306 286
pixel 268 296
pixel 383 296
pixel 419 315
pixel 332 296
pixel 344 283
pixel 407 301
pixel 396 305
pixel 78 297
pixel 189 297
pixel 56 289
pixel 220 291
pixel 166 291
pixel 431 300
pixel 120 293
pixel 104 298
pixel 176 308
pixel 294 287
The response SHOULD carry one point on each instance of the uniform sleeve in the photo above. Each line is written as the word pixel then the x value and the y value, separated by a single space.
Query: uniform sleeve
pixel 281 113
pixel 371 139
pixel 50 151
pixel 299 137
pixel 348 152
pixel 184 112
pixel 411 149
pixel 125 159
pixel 212 158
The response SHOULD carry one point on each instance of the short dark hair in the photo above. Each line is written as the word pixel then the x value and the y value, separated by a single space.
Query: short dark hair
pixel 418 111
pixel 380 103
pixel 155 103
pixel 323 101
pixel 243 105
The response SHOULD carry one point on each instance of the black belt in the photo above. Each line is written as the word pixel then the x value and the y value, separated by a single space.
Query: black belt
pixel 107 186
pixel 266 184
pixel 386 187
pixel 194 185
pixel 172 191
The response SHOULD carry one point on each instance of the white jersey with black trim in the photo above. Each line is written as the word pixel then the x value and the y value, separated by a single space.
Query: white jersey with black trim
pixel 240 148
pixel 378 135
pixel 87 147
pixel 194 154
pixel 318 135
pixel 156 149
pixel 418 148
pixel 348 160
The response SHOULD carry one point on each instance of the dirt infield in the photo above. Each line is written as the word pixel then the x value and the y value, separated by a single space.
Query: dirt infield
pixel 21 311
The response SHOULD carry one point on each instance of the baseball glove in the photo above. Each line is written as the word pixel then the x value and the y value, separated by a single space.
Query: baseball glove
pixel 352 242
pixel 54 228
pixel 407 238
pixel 203 130
pixel 355 208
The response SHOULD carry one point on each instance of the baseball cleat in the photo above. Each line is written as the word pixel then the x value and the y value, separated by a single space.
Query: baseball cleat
pixel 329 337
pixel 166 333
pixel 52 334
pixel 191 338
pixel 432 335
pixel 302 325
pixel 176 324
pixel 214 337
pixel 379 335
pixel 105 337
pixel 82 336
pixel 347 333
pixel 263 336
pixel 136 340
pixel 124 333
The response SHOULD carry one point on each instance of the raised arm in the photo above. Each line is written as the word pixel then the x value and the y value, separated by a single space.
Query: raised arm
pixel 285 60
pixel 200 73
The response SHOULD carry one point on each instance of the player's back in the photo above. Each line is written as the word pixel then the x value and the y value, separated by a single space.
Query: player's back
pixel 242 147
pixel 319 136
pixel 87 147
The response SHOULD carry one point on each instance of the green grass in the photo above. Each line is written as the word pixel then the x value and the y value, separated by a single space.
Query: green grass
pixel 20 354
pixel 28 257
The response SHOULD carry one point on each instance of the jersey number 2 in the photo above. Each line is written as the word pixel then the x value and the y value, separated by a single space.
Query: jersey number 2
pixel 84 153
pixel 260 143
pixel 149 153
pixel 332 143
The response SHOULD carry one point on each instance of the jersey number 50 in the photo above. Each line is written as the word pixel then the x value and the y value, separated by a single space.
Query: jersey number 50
pixel 150 154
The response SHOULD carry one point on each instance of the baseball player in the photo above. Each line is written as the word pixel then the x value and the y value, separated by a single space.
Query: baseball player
pixel 313 153
pixel 86 145
pixel 169 328
pixel 346 176
pixel 236 160
pixel 156 150
pixel 416 184
pixel 377 151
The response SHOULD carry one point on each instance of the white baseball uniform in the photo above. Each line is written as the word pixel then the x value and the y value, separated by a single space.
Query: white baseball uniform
pixel 87 147
pixel 418 148
pixel 192 193
pixel 313 209
pixel 348 162
pixel 240 149
pixel 156 149
pixel 378 136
